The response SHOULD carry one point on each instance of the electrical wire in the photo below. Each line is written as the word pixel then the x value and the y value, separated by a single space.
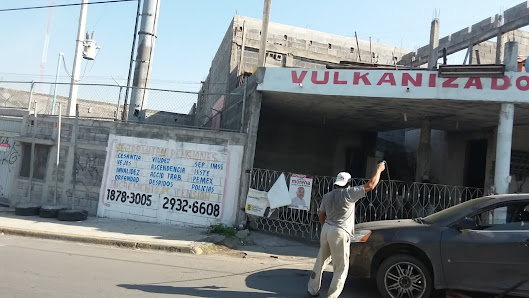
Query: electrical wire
pixel 64 66
pixel 85 68
pixel 63 5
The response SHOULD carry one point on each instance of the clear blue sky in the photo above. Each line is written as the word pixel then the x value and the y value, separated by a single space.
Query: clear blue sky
pixel 189 32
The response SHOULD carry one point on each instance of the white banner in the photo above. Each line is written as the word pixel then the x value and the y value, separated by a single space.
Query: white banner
pixel 278 195
pixel 170 182
pixel 300 191
pixel 256 202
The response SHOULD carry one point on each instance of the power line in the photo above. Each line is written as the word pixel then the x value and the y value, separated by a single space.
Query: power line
pixel 63 5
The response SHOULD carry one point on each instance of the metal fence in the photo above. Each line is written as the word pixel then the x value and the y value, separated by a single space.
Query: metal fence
pixel 389 200
pixel 104 101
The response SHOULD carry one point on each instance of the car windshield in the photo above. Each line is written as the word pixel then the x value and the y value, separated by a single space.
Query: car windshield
pixel 449 212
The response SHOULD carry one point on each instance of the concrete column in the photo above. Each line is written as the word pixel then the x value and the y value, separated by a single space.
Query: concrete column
pixel 500 41
pixel 434 44
pixel 143 69
pixel 76 69
pixel 264 33
pixel 503 149
pixel 502 168
pixel 254 106
pixel 422 171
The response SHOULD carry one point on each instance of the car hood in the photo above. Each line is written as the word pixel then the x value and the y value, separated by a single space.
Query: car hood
pixel 386 224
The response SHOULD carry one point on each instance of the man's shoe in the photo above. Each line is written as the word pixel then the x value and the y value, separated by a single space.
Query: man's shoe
pixel 313 295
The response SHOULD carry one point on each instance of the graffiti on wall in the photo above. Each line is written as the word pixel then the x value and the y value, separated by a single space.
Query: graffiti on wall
pixel 87 171
pixel 9 152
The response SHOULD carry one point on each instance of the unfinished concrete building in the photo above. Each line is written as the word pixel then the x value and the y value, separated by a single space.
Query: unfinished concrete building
pixel 287 46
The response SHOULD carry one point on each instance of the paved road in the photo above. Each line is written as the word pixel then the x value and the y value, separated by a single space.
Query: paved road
pixel 45 268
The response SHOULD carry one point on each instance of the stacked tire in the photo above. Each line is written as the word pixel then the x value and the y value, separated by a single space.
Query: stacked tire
pixel 27 210
pixel 72 215
pixel 50 211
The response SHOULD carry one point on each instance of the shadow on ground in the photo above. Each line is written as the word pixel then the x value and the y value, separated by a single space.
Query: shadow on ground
pixel 269 283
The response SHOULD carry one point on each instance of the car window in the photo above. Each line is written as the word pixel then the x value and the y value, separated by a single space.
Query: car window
pixel 449 212
pixel 510 217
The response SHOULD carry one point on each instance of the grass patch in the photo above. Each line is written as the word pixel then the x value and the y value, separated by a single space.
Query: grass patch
pixel 222 229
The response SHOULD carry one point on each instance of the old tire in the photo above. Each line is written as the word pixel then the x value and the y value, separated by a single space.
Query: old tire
pixel 72 215
pixel 50 211
pixel 406 274
pixel 27 210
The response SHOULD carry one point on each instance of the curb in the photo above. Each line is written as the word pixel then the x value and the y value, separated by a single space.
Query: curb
pixel 105 241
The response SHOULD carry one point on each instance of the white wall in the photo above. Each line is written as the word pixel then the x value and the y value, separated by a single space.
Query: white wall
pixel 179 182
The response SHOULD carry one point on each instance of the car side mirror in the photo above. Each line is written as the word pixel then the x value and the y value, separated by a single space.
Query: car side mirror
pixel 466 224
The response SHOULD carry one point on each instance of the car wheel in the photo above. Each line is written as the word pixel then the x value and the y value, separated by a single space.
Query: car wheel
pixel 403 276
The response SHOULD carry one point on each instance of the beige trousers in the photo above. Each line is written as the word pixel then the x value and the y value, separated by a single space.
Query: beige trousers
pixel 334 244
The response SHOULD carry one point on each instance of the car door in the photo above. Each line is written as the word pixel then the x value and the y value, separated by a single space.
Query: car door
pixel 491 257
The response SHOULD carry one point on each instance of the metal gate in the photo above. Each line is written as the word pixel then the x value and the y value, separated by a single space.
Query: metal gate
pixel 389 200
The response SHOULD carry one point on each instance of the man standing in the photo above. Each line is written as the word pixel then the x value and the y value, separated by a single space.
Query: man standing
pixel 337 216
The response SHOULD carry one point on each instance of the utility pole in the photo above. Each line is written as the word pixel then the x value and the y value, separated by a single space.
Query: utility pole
pixel 125 113
pixel 264 32
pixel 76 70
pixel 142 71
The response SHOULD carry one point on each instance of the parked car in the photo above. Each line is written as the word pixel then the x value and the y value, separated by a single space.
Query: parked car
pixel 480 245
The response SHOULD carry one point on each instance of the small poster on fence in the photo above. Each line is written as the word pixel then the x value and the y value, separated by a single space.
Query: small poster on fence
pixel 257 202
pixel 300 191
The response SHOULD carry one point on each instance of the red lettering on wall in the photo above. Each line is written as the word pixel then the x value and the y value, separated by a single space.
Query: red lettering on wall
pixel 298 79
pixel 432 81
pixel 337 80
pixel 506 83
pixel 388 77
pixel 314 78
pixel 357 77
pixel 474 82
pixel 519 83
pixel 449 83
pixel 407 78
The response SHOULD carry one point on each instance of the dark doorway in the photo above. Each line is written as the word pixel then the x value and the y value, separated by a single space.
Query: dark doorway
pixel 476 161
pixel 355 162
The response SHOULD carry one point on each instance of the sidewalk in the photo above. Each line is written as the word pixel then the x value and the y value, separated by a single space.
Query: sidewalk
pixel 139 235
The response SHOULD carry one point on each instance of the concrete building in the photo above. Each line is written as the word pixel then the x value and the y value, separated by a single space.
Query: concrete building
pixel 360 143
pixel 315 109
pixel 287 46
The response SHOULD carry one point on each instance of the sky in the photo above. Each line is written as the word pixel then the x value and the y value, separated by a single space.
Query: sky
pixel 189 32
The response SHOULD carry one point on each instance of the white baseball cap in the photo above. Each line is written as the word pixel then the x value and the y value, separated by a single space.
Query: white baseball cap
pixel 342 178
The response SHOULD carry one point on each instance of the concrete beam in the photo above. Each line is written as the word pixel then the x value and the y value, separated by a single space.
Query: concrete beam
pixel 515 18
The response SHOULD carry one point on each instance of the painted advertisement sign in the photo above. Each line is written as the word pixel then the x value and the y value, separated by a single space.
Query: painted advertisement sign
pixel 512 87
pixel 170 182
pixel 300 191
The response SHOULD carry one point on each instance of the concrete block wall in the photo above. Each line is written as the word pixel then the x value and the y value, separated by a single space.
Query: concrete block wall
pixel 310 44
pixel 516 12
pixel 487 49
pixel 307 49
pixel 462 36
pixel 218 77
pixel 92 139
pixel 89 108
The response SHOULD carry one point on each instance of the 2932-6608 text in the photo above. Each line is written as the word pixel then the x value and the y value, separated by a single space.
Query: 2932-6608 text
pixel 196 207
